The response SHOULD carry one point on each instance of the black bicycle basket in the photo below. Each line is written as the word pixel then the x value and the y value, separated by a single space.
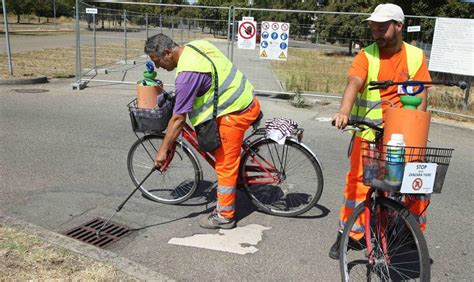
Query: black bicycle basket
pixel 150 120
pixel 375 165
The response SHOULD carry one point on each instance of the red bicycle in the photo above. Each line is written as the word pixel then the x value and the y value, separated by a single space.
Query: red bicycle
pixel 284 180
pixel 393 247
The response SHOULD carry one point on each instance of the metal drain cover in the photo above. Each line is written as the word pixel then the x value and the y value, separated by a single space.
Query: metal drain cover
pixel 31 90
pixel 87 233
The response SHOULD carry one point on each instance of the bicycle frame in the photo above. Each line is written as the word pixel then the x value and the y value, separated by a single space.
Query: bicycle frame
pixel 261 164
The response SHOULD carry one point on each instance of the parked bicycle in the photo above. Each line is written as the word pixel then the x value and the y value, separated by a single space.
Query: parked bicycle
pixel 393 247
pixel 284 180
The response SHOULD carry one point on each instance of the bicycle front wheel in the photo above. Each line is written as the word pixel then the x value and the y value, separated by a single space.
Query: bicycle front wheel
pixel 176 183
pixel 284 180
pixel 398 247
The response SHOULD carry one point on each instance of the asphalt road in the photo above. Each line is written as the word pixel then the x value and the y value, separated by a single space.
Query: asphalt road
pixel 63 163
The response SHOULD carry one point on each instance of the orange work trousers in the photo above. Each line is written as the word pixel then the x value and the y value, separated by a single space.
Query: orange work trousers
pixel 355 192
pixel 232 129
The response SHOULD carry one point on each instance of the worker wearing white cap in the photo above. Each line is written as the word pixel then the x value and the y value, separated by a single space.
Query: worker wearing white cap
pixel 388 58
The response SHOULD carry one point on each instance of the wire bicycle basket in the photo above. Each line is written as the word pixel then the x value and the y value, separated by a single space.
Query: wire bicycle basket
pixel 376 167
pixel 150 120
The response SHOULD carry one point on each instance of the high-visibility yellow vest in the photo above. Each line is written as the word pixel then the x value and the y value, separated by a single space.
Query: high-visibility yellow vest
pixel 371 98
pixel 235 91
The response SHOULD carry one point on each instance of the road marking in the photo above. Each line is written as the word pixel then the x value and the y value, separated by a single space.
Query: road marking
pixel 240 240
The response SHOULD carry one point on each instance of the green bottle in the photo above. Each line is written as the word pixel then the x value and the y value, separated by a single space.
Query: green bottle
pixel 149 75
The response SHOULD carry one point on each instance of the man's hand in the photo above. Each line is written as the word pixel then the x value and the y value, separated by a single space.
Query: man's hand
pixel 160 158
pixel 340 120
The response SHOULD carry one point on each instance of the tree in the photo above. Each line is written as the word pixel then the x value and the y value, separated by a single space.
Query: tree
pixel 43 8
pixel 19 7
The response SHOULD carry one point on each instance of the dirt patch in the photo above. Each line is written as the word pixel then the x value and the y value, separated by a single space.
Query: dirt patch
pixel 24 256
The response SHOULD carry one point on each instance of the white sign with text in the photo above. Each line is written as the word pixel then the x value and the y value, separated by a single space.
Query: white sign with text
pixel 418 178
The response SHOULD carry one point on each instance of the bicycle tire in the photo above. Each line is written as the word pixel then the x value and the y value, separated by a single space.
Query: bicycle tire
pixel 298 183
pixel 406 256
pixel 174 185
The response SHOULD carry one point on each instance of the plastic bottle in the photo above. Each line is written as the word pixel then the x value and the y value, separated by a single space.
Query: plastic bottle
pixel 371 165
pixel 395 160
pixel 149 75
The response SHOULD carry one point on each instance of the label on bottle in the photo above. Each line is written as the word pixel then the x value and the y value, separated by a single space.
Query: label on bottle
pixel 394 165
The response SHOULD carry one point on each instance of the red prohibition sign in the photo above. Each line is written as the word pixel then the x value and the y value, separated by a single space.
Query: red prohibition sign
pixel 275 26
pixel 265 25
pixel 417 184
pixel 247 30
pixel 284 27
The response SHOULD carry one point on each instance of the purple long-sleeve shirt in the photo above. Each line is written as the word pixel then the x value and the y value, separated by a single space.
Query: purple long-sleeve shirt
pixel 190 85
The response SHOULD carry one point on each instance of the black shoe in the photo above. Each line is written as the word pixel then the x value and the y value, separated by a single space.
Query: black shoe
pixel 334 250
pixel 357 245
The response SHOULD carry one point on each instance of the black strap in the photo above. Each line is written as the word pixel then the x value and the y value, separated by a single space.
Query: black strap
pixel 216 80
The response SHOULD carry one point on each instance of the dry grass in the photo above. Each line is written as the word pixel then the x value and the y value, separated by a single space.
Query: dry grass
pixel 60 62
pixel 25 257
pixel 317 71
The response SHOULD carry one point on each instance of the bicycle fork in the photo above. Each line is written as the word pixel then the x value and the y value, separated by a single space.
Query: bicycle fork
pixel 379 228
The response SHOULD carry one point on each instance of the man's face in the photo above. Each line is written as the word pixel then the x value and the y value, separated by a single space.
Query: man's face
pixel 164 62
pixel 385 34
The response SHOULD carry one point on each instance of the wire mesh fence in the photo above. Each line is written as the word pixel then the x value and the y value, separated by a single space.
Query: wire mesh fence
pixel 321 48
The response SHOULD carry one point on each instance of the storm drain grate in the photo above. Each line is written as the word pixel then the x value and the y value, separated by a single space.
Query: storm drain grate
pixel 87 233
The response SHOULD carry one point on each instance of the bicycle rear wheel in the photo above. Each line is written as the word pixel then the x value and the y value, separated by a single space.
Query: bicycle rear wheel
pixel 174 185
pixel 284 180
pixel 398 247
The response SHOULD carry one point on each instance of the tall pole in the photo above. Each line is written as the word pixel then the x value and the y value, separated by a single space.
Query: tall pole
pixel 125 33
pixel 7 37
pixel 78 45
pixel 54 13
pixel 233 35
pixel 95 42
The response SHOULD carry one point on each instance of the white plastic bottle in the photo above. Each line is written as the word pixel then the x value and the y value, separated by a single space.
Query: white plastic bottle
pixel 395 160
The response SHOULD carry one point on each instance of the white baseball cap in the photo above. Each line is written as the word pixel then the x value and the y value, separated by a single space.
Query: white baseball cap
pixel 387 12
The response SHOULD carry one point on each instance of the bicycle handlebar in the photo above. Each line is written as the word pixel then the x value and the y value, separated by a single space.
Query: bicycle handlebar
pixel 384 84
pixel 358 123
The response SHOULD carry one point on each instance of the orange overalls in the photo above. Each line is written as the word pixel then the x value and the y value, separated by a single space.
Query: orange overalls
pixel 355 192
pixel 232 129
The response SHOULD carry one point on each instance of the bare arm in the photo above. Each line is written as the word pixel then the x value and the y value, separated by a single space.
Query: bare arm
pixel 354 83
pixel 175 125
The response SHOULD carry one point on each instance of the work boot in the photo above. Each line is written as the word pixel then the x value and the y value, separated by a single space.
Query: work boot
pixel 334 250
pixel 215 220
pixel 352 245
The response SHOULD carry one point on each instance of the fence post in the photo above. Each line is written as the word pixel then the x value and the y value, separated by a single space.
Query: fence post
pixel 232 35
pixel 95 42
pixel 229 40
pixel 125 33
pixel 78 46
pixel 146 25
pixel 467 93
pixel 7 38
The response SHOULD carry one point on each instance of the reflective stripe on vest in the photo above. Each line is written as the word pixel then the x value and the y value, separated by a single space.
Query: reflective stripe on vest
pixel 371 98
pixel 235 91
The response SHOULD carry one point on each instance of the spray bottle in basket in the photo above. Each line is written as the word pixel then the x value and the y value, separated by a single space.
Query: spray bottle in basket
pixel 371 166
pixel 148 88
pixel 395 160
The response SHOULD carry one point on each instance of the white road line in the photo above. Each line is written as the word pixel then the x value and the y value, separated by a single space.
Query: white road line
pixel 240 240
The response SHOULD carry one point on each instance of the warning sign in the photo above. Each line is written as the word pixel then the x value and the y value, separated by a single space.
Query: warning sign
pixel 274 42
pixel 418 178
pixel 247 31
